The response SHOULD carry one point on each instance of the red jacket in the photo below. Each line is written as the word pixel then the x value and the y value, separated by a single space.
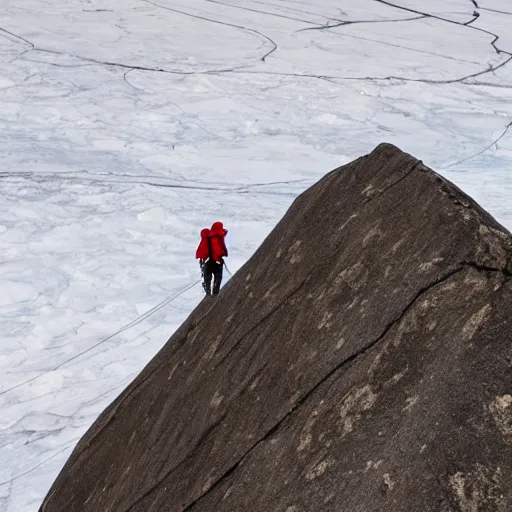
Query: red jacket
pixel 203 250
pixel 218 246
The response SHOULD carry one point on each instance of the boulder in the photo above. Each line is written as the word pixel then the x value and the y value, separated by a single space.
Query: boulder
pixel 360 361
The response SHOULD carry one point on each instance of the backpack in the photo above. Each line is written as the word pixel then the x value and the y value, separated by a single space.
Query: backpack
pixel 203 250
pixel 218 249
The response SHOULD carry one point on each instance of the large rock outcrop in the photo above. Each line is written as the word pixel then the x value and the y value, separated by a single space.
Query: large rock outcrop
pixel 359 362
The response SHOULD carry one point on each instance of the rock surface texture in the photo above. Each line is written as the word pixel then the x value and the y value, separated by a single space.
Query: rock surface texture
pixel 361 361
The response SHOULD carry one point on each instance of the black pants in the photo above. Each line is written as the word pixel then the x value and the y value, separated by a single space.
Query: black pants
pixel 212 269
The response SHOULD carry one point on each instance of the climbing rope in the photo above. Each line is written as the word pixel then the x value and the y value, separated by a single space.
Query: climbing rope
pixel 133 323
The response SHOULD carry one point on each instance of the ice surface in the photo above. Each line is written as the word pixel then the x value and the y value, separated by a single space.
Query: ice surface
pixel 127 126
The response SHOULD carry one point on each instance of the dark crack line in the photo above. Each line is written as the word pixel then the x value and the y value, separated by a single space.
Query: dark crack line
pixel 474 2
pixel 499 51
pixel 240 70
pixel 475 17
pixel 261 12
pixel 54 64
pixel 328 78
pixel 496 11
pixel 390 78
pixel 204 18
pixel 243 189
pixel 10 39
pixel 493 143
pixel 447 275
pixel 17 37
pixel 335 79
pixel 325 27
pixel 453 22
pixel 129 83
pixel 491 69
pixel 407 48
pixel 130 67
pixel 426 14
pixel 38 177
pixel 135 67
pixel 358 22
pixel 294 10
pixel 488 84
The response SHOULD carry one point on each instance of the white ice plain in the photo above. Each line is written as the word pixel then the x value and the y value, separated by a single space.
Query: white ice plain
pixel 127 126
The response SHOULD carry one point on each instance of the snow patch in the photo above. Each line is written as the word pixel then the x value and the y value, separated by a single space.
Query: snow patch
pixel 154 215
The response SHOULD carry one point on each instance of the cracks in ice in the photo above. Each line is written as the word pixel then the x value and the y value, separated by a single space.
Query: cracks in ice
pixel 499 51
pixel 128 82
pixel 261 12
pixel 111 412
pixel 496 11
pixel 358 22
pixel 488 84
pixel 16 36
pixel 204 18
pixel 131 324
pixel 295 10
pixel 242 68
pixel 327 26
pixel 476 15
pixel 125 179
pixel 493 143
pixel 129 67
pixel 422 15
pixel 133 67
pixel 17 477
pixel 19 56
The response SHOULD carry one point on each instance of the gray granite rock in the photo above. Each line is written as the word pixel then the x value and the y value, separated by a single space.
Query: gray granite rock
pixel 361 361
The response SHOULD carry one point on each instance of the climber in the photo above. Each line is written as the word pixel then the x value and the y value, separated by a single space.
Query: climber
pixel 211 253
pixel 203 250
